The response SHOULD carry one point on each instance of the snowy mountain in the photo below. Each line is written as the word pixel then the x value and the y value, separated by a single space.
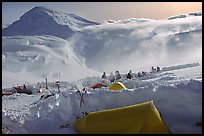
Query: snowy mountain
pixel 44 21
pixel 186 15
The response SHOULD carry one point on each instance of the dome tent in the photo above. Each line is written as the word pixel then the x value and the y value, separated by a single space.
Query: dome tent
pixel 142 118
pixel 117 86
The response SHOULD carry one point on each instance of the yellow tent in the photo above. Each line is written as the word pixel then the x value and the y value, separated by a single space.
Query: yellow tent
pixel 117 86
pixel 141 118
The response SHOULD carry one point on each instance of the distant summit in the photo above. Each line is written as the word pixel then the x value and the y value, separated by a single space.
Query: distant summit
pixel 44 21
pixel 185 15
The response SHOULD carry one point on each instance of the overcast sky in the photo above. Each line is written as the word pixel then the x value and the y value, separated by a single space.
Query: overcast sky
pixel 98 11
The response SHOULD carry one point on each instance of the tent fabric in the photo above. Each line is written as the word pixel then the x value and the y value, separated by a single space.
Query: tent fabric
pixel 7 93
pixel 141 118
pixel 117 86
pixel 98 86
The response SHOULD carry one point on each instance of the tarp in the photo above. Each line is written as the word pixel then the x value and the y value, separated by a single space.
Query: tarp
pixel 141 118
pixel 7 93
pixel 117 86
pixel 98 86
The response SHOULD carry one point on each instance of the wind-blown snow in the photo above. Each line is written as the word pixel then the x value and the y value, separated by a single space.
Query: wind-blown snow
pixel 78 62
pixel 138 45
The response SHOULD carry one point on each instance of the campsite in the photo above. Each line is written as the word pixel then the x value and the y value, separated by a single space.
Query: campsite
pixel 101 68
pixel 102 103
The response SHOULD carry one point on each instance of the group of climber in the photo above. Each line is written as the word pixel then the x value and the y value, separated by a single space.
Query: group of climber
pixel 117 76
pixel 112 77
pixel 155 69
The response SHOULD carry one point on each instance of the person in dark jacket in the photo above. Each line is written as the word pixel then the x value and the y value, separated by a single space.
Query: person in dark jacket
pixel 129 75
pixel 139 74
pixel 158 69
pixel 112 77
pixel 104 75
pixel 144 73
pixel 117 75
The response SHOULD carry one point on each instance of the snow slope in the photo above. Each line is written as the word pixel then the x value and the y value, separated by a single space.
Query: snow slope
pixel 33 58
pixel 45 21
pixel 177 94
